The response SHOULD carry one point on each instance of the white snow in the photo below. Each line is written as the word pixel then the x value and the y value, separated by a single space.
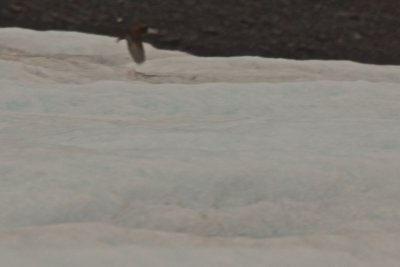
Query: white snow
pixel 188 161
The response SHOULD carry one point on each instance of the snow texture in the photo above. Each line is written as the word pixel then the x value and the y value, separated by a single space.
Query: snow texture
pixel 188 161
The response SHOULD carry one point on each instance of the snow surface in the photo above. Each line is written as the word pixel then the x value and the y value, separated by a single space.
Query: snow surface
pixel 188 161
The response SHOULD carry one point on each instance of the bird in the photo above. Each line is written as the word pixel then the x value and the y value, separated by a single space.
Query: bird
pixel 133 39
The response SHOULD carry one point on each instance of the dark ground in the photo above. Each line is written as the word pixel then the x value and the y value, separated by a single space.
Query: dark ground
pixel 359 30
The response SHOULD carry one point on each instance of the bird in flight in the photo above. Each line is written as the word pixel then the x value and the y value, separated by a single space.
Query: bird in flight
pixel 134 41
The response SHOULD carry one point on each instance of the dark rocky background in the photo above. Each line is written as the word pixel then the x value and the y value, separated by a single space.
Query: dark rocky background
pixel 359 30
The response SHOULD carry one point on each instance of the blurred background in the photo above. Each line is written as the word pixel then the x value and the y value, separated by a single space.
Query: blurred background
pixel 359 30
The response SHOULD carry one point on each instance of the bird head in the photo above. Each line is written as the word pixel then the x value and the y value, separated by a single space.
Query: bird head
pixel 136 32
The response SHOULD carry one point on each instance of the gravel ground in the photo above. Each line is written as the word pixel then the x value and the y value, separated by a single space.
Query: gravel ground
pixel 360 30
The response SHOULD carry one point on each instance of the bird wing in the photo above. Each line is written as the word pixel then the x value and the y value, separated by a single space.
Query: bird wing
pixel 135 47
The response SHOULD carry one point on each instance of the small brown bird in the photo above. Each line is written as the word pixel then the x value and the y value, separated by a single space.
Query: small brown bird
pixel 134 41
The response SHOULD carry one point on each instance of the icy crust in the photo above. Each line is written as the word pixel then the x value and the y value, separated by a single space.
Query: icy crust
pixel 188 161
